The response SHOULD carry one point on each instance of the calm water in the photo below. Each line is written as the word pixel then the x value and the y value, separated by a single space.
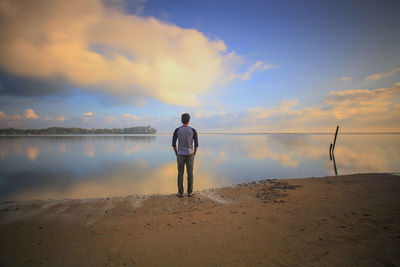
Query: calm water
pixel 58 167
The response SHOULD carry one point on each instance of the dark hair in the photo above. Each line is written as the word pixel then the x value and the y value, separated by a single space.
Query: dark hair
pixel 185 118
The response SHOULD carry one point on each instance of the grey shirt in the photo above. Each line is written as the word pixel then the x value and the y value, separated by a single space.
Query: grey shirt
pixel 185 135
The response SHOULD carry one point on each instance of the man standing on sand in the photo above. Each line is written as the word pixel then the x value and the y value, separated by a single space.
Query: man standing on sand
pixel 185 153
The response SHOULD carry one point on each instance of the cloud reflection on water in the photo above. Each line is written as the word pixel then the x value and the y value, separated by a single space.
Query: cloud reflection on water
pixel 368 153
pixel 31 153
pixel 88 167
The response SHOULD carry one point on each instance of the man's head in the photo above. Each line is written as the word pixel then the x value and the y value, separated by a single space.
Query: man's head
pixel 185 118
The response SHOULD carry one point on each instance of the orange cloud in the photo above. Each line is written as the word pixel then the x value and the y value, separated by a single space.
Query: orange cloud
pixel 30 114
pixel 61 119
pixel 99 47
pixel 88 113
pixel 4 116
pixel 130 116
pixel 258 66
pixel 379 76
pixel 352 102
pixel 262 112
pixel 109 119
pixel 355 110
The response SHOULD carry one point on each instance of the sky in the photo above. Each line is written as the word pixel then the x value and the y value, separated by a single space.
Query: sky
pixel 234 66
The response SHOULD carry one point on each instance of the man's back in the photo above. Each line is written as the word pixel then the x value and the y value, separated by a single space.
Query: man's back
pixel 185 136
pixel 185 153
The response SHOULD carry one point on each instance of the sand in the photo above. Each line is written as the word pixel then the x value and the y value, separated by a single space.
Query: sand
pixel 328 221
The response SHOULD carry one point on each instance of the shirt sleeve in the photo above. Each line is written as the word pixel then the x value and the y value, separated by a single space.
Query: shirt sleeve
pixel 175 137
pixel 195 139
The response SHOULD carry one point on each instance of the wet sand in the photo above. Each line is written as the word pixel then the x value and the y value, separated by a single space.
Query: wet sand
pixel 329 221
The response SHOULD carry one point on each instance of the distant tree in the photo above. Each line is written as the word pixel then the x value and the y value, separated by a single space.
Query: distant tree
pixel 61 131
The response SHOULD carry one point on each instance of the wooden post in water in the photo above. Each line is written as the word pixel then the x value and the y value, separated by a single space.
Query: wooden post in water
pixel 332 148
pixel 334 140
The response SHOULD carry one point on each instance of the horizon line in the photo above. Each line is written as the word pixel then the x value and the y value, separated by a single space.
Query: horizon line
pixel 374 132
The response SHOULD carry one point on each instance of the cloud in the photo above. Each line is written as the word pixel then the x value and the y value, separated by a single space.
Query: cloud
pixel 88 113
pixel 346 78
pixel 109 119
pixel 258 66
pixel 61 119
pixel 106 121
pixel 130 116
pixel 362 96
pixel 351 102
pixel 379 76
pixel 16 85
pixel 98 47
pixel 354 110
pixel 30 114
pixel 135 6
pixel 262 112
pixel 207 113
pixel 4 116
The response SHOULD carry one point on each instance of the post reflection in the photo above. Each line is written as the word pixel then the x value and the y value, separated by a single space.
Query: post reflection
pixel 334 163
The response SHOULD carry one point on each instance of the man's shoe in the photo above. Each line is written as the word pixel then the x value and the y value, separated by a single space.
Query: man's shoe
pixel 179 195
pixel 191 194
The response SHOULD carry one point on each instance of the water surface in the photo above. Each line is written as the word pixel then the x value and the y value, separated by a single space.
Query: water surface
pixel 56 167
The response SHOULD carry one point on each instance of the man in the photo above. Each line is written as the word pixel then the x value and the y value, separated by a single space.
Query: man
pixel 185 153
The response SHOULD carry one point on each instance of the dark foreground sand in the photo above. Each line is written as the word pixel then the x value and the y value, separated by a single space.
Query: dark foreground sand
pixel 332 221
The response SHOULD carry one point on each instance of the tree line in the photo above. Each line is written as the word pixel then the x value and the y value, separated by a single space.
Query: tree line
pixel 73 130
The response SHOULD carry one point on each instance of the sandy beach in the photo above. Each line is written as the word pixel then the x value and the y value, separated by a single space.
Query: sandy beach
pixel 350 220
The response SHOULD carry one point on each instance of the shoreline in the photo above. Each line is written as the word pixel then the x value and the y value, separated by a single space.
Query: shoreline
pixel 205 133
pixel 334 220
pixel 22 201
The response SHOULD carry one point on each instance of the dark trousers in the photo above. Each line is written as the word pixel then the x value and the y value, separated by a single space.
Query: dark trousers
pixel 189 161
